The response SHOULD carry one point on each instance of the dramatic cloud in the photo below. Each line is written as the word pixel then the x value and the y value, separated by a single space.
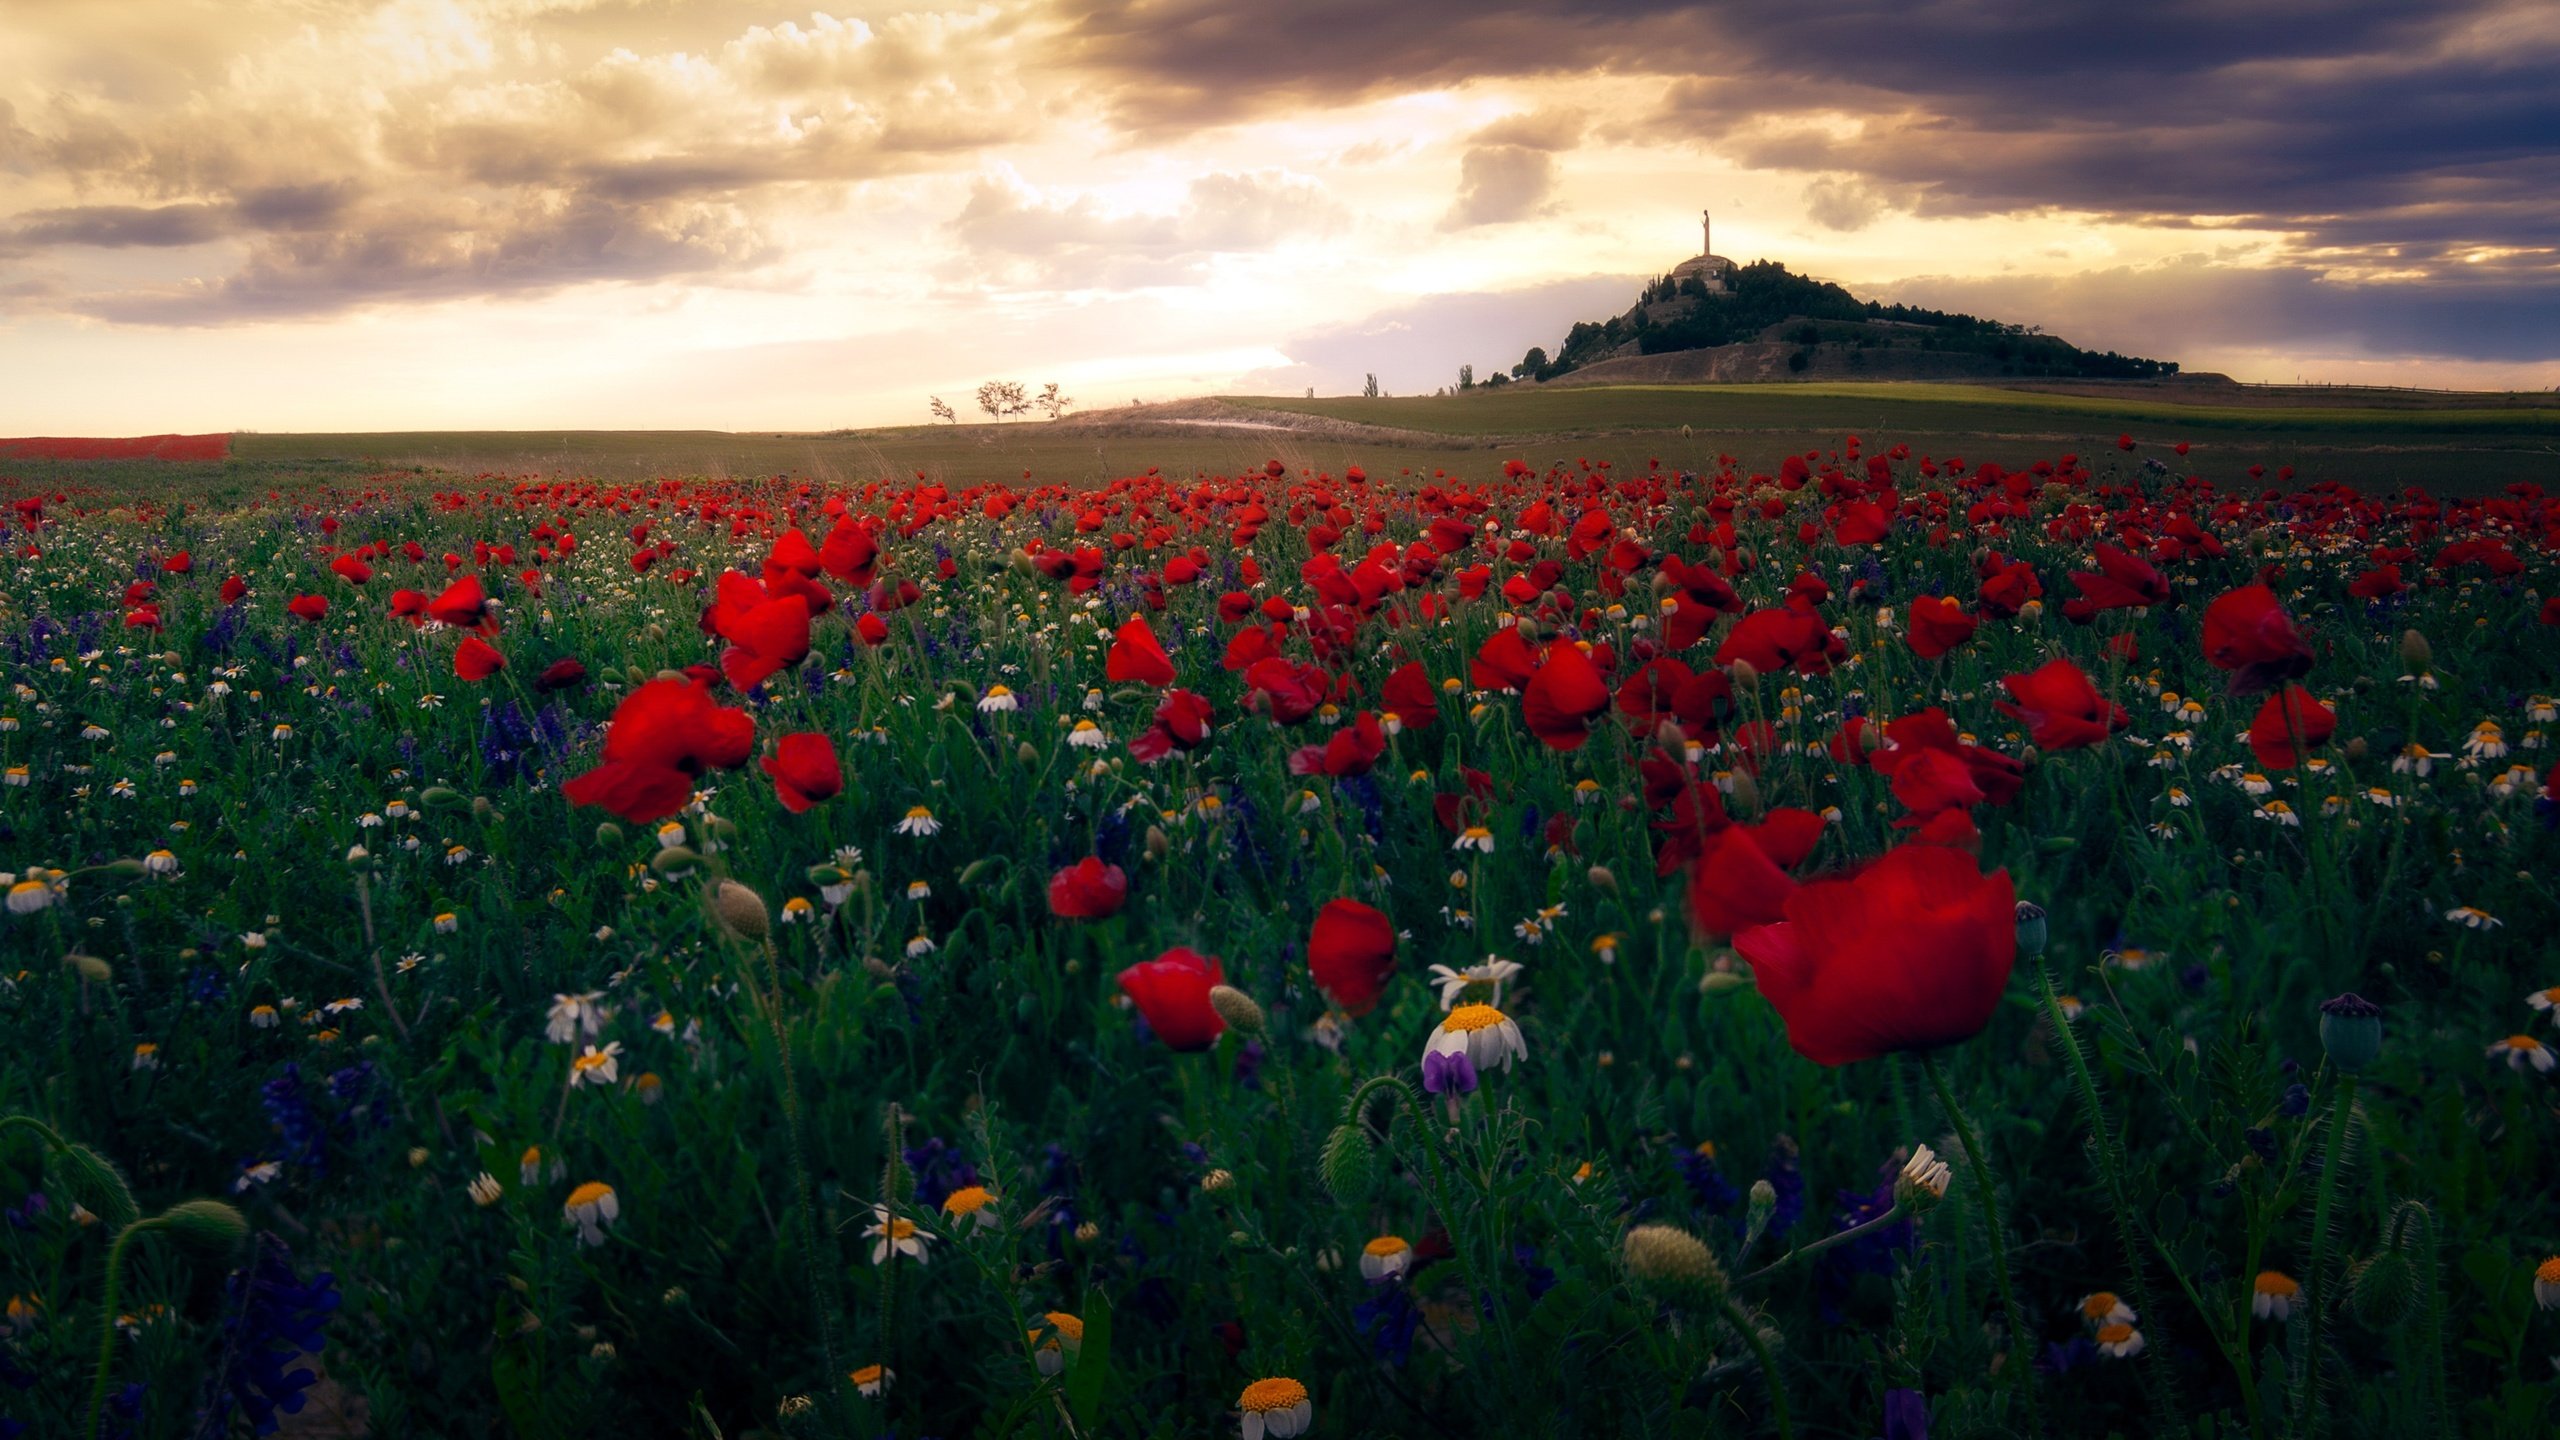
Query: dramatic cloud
pixel 1300 193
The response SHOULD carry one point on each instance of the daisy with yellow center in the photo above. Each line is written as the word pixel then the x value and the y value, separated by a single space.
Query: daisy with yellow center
pixel 2119 1342
pixel 1386 1258
pixel 971 1205
pixel 872 1381
pixel 1056 1341
pixel 1491 976
pixel 264 1017
pixel 2472 917
pixel 998 701
pixel 597 1067
pixel 1277 1407
pixel 2547 1001
pixel 893 1234
pixel 2274 1296
pixel 1469 1041
pixel 2546 1283
pixel 1087 736
pixel 919 821
pixel 1476 838
pixel 2103 1308
pixel 591 1207
pixel 2522 1050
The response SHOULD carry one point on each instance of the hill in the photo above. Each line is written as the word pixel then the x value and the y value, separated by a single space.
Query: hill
pixel 1773 324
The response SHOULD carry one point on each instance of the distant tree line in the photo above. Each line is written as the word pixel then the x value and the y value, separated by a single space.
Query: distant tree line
pixel 1765 293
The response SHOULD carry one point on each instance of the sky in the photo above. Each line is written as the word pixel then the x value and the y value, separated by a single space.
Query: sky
pixel 290 215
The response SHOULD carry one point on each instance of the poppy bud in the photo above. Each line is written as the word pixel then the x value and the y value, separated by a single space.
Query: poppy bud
pixel 1720 982
pixel 2350 1031
pixel 2356 748
pixel 482 810
pixel 1218 1182
pixel 89 968
pixel 608 833
pixel 653 632
pixel 1746 676
pixel 2415 652
pixel 442 797
pixel 207 1227
pixel 94 1183
pixel 125 867
pixel 1158 843
pixel 718 828
pixel 2032 929
pixel 1028 755
pixel 1236 1008
pixel 741 910
pixel 1746 792
pixel 976 870
pixel 1603 879
pixel 359 858
pixel 2382 1289
pixel 1671 737
pixel 1674 1264
pixel 674 860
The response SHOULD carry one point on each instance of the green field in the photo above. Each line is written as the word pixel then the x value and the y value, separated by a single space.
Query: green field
pixel 2382 440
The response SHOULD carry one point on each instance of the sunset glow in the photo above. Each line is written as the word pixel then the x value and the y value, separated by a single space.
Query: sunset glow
pixel 532 213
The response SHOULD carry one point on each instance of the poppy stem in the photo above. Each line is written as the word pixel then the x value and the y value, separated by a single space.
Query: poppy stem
pixel 1804 1252
pixel 1742 1322
pixel 2307 1397
pixel 2021 1366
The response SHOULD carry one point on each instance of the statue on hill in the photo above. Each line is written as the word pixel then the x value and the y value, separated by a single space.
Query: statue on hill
pixel 1713 272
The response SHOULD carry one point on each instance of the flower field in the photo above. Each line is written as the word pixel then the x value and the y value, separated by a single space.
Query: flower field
pixel 1852 943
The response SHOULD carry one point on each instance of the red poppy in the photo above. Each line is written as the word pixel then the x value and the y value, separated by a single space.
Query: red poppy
pixel 1784 638
pixel 1287 690
pixel 1735 885
pixel 1172 995
pixel 2289 723
pixel 1137 657
pixel 2061 709
pixel 178 564
pixel 351 569
pixel 1410 697
pixel 2248 633
pixel 850 554
pixel 804 770
pixel 476 659
pixel 142 617
pixel 764 635
pixel 2121 582
pixel 308 607
pixel 873 630
pixel 560 675
pixel 1181 723
pixel 2379 583
pixel 1938 625
pixel 1564 697
pixel 1354 750
pixel 462 605
pixel 1088 890
pixel 1910 953
pixel 233 588
pixel 663 735
pixel 1351 952
pixel 1504 662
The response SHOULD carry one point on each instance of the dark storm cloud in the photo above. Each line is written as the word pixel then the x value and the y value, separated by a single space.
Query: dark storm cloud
pixel 2195 303
pixel 2363 123
pixel 118 226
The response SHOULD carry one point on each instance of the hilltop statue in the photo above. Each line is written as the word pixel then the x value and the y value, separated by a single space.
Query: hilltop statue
pixel 1712 270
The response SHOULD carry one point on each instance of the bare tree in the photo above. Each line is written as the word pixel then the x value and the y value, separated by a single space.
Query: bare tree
pixel 1053 402
pixel 943 412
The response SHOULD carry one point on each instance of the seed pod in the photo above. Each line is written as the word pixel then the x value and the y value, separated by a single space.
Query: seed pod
pixel 2351 1032
pixel 2415 652
pixel 89 968
pixel 1350 1164
pixel 1673 1264
pixel 2032 929
pixel 741 911
pixel 1236 1008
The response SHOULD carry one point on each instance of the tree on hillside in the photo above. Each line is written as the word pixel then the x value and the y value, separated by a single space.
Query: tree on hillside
pixel 1053 402
pixel 1000 398
pixel 1370 389
pixel 1532 366
pixel 942 410
pixel 1466 377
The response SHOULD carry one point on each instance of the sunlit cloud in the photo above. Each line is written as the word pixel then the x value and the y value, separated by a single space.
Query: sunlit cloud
pixel 640 204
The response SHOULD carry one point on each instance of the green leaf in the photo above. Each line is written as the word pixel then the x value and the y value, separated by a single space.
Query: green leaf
pixel 1092 1369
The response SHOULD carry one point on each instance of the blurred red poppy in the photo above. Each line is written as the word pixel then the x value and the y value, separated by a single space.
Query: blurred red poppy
pixel 1352 952
pixel 2290 722
pixel 1088 890
pixel 476 659
pixel 1172 995
pixel 1909 953
pixel 804 770
pixel 1938 625
pixel 2059 706
pixel 663 735
pixel 1137 657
